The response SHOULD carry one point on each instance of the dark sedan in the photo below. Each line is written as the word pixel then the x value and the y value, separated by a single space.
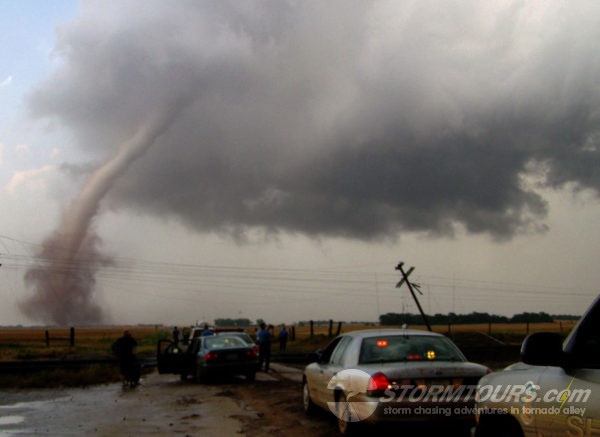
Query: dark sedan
pixel 203 357
pixel 225 355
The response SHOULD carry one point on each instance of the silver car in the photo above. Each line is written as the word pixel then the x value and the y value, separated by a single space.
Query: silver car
pixel 392 375
pixel 554 391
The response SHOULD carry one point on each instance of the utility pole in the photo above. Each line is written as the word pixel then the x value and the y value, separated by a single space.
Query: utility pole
pixel 410 287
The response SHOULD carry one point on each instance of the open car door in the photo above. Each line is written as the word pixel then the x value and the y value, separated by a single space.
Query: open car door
pixel 170 357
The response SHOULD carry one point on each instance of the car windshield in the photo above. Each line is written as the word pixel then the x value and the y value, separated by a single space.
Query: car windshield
pixel 407 348
pixel 222 342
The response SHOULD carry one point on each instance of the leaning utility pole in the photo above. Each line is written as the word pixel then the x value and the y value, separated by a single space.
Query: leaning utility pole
pixel 410 287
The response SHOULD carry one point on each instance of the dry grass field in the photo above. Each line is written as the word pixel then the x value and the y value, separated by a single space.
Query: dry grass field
pixel 17 344
pixel 30 343
pixel 497 328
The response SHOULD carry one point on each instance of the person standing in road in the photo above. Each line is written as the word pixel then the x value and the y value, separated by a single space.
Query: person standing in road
pixel 175 335
pixel 283 337
pixel 123 349
pixel 263 338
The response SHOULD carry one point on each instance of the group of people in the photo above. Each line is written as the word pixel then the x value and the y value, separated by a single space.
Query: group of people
pixel 206 330
pixel 129 367
pixel 264 337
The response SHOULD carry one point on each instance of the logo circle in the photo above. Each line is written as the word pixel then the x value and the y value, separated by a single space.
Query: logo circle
pixel 346 385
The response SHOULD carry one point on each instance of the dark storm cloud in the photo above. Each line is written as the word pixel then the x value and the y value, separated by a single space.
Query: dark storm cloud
pixel 356 119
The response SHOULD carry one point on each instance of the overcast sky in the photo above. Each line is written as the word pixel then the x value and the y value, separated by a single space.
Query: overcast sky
pixel 302 149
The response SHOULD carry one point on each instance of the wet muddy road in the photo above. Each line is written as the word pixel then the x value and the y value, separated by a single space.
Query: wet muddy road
pixel 163 405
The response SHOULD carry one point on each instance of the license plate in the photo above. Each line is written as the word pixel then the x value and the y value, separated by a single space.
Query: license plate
pixel 232 357
pixel 438 382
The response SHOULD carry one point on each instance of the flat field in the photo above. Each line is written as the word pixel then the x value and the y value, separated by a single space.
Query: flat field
pixel 30 343
pixel 19 344
pixel 563 326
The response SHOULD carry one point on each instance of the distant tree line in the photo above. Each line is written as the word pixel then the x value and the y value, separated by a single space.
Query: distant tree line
pixel 565 317
pixel 471 318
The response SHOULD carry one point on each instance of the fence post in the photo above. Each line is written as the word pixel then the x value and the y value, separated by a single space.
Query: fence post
pixel 312 329
pixel 72 336
pixel 330 328
pixel 339 330
pixel 47 338
pixel 293 333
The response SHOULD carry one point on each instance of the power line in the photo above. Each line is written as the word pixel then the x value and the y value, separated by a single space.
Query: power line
pixel 282 283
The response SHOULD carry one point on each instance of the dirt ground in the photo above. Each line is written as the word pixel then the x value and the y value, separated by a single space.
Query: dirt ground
pixel 277 403
pixel 165 406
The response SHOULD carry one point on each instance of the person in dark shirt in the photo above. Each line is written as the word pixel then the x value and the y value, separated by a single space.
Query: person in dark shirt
pixel 283 337
pixel 207 331
pixel 263 338
pixel 123 349
pixel 175 335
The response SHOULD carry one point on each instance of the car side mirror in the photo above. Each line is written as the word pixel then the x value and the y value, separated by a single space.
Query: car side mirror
pixel 543 349
pixel 319 354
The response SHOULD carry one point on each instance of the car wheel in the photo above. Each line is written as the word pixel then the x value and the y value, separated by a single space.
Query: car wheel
pixel 347 426
pixel 251 376
pixel 307 403
pixel 183 376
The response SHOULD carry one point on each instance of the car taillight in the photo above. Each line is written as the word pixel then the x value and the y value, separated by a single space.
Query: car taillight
pixel 211 356
pixel 378 383
pixel 255 350
pixel 456 383
pixel 251 353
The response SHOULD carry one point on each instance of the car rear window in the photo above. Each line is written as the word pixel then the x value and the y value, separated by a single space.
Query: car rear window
pixel 245 337
pixel 407 348
pixel 221 342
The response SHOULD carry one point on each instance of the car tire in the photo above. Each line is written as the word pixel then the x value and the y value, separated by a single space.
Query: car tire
pixel 346 426
pixel 251 376
pixel 307 404
pixel 183 376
